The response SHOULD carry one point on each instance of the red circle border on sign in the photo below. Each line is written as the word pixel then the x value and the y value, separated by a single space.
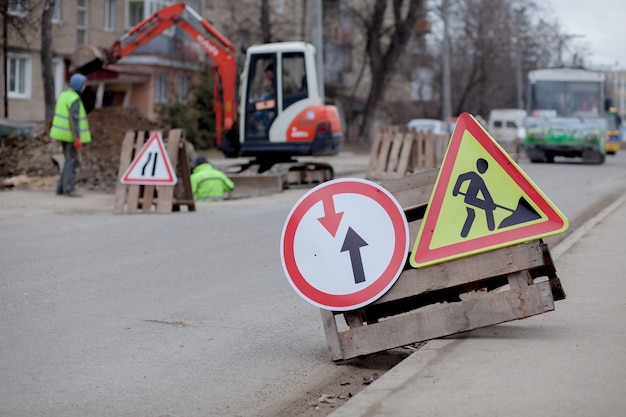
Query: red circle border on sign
pixel 383 282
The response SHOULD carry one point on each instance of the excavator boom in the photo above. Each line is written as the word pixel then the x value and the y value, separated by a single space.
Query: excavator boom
pixel 88 58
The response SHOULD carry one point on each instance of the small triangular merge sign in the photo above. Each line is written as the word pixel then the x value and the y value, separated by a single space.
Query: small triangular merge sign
pixel 151 166
pixel 482 201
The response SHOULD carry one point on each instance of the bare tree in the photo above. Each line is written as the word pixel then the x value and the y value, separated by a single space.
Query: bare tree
pixel 266 28
pixel 22 29
pixel 385 46
pixel 494 44
pixel 19 24
pixel 46 57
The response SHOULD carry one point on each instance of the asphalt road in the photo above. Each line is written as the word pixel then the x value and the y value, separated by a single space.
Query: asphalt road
pixel 184 314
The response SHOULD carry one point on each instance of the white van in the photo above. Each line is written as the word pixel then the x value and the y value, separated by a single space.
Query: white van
pixel 438 127
pixel 507 125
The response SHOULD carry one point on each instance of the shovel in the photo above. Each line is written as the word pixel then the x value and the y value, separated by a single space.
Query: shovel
pixel 523 213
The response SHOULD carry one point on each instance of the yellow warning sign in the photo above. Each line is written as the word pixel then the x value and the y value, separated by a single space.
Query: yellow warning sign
pixel 482 200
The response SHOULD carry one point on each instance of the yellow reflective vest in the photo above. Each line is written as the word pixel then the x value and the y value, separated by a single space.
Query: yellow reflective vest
pixel 61 127
pixel 209 184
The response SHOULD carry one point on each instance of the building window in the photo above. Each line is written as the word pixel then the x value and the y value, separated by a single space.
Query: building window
pixel 19 76
pixel 17 8
pixel 183 88
pixel 279 6
pixel 109 15
pixel 138 10
pixel 134 14
pixel 160 88
pixel 81 22
pixel 56 13
pixel 58 69
pixel 154 5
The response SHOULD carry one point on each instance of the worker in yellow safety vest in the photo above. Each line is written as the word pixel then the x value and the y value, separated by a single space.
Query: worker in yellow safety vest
pixel 71 128
pixel 209 183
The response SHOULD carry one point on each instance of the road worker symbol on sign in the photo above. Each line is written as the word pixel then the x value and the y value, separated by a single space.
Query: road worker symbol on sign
pixel 482 200
pixel 478 196
pixel 344 244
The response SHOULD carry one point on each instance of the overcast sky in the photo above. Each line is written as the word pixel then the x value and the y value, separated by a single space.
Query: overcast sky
pixel 603 24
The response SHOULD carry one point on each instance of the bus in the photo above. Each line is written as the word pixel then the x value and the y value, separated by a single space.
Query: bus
pixel 566 115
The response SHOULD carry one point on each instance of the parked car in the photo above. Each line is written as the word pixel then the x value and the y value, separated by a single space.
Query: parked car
pixel 438 127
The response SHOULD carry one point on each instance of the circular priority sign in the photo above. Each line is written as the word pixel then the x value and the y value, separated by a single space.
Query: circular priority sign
pixel 344 244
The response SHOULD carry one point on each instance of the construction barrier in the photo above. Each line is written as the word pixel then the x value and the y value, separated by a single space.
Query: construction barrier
pixel 142 198
pixel 443 299
pixel 396 152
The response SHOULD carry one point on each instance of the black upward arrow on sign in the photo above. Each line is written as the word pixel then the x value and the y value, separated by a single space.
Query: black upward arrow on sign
pixel 353 243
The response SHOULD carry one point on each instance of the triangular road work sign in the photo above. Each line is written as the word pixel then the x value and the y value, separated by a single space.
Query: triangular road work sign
pixel 482 200
pixel 151 166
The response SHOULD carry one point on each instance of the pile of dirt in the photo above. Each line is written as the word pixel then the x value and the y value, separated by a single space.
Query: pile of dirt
pixel 34 156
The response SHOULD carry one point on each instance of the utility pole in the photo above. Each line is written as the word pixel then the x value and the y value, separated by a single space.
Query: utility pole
pixel 317 39
pixel 519 82
pixel 446 88
pixel 5 59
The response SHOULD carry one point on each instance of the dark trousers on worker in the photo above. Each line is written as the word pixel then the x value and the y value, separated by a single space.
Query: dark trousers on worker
pixel 68 173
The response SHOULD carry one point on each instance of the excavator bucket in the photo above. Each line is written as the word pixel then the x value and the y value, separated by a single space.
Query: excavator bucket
pixel 250 182
pixel 87 59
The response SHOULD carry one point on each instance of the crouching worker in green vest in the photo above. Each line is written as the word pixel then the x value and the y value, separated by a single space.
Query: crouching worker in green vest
pixel 70 127
pixel 207 182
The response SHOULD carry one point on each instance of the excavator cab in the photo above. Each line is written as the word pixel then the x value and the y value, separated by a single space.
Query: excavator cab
pixel 283 115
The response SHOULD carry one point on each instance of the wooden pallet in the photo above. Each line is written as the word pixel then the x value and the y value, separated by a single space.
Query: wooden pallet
pixel 396 152
pixel 132 199
pixel 501 285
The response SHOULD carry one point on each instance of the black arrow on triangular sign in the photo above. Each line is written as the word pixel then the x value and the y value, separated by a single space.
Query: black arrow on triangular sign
pixel 352 243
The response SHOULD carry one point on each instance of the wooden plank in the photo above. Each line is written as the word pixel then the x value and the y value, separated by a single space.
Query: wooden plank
pixel 126 155
pixel 429 150
pixel 147 198
pixel 375 150
pixel 412 190
pixel 332 334
pixel 383 156
pixel 354 318
pixel 447 319
pixel 133 190
pixel 519 279
pixel 405 162
pixel 165 193
pixel 442 147
pixel 555 283
pixel 462 271
pixel 393 169
pixel 419 145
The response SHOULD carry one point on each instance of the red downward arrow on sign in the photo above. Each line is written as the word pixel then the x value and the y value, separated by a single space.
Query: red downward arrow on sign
pixel 331 218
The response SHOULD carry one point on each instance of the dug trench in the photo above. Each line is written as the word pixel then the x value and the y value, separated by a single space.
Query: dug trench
pixel 31 162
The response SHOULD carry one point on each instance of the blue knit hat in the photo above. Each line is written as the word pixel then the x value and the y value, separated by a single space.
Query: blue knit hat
pixel 77 81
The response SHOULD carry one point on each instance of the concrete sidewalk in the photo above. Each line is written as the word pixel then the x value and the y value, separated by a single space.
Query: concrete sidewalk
pixel 568 362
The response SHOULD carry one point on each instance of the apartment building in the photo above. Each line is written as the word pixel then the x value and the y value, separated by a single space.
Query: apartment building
pixel 157 72
pixel 163 70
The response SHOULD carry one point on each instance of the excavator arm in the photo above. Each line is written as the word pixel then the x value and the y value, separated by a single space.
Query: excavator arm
pixel 87 58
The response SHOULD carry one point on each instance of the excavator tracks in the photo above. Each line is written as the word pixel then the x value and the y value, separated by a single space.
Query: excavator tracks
pixel 250 182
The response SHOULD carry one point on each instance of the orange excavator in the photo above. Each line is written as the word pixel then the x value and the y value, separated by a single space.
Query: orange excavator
pixel 281 113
